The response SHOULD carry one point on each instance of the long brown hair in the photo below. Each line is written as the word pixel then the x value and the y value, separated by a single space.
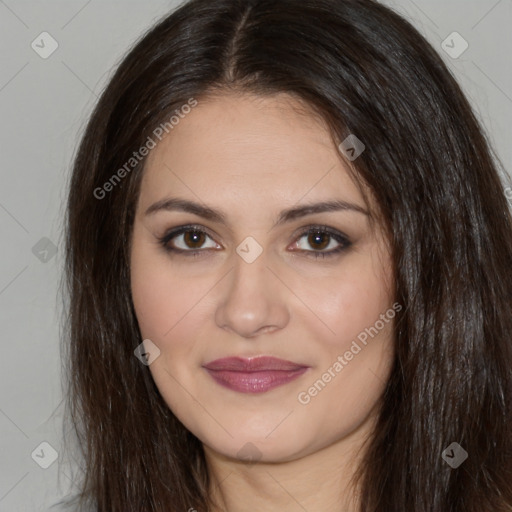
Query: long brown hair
pixel 367 71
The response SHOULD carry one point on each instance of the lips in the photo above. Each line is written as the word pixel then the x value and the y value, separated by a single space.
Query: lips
pixel 255 375
pixel 263 363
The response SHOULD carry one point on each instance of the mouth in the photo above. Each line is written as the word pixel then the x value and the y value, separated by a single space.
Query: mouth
pixel 256 375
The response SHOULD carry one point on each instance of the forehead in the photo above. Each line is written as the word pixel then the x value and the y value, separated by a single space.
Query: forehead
pixel 251 148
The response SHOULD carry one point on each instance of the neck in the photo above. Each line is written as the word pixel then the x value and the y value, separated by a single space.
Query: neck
pixel 317 481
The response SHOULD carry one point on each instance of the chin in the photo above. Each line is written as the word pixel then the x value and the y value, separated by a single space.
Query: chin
pixel 259 448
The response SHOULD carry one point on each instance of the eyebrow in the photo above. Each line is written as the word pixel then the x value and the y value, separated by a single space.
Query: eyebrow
pixel 288 215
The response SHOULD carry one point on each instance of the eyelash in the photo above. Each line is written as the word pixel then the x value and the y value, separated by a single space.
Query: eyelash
pixel 322 230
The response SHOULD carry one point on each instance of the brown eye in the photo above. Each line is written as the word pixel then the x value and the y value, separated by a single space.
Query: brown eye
pixel 191 240
pixel 318 240
pixel 187 239
pixel 194 239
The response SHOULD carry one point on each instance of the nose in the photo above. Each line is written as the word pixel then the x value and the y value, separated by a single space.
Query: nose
pixel 253 300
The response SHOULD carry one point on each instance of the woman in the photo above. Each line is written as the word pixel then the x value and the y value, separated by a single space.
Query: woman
pixel 288 265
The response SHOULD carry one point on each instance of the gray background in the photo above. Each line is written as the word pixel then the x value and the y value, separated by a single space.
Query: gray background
pixel 43 106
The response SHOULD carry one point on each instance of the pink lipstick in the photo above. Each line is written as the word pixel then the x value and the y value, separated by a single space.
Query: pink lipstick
pixel 255 375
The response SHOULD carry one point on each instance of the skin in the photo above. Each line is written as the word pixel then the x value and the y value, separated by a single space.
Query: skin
pixel 251 157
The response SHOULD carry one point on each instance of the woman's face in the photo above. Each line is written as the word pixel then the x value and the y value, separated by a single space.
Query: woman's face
pixel 258 284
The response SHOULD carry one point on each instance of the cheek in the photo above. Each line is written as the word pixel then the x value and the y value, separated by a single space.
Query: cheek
pixel 167 314
pixel 159 295
pixel 152 300
pixel 352 302
pixel 171 310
